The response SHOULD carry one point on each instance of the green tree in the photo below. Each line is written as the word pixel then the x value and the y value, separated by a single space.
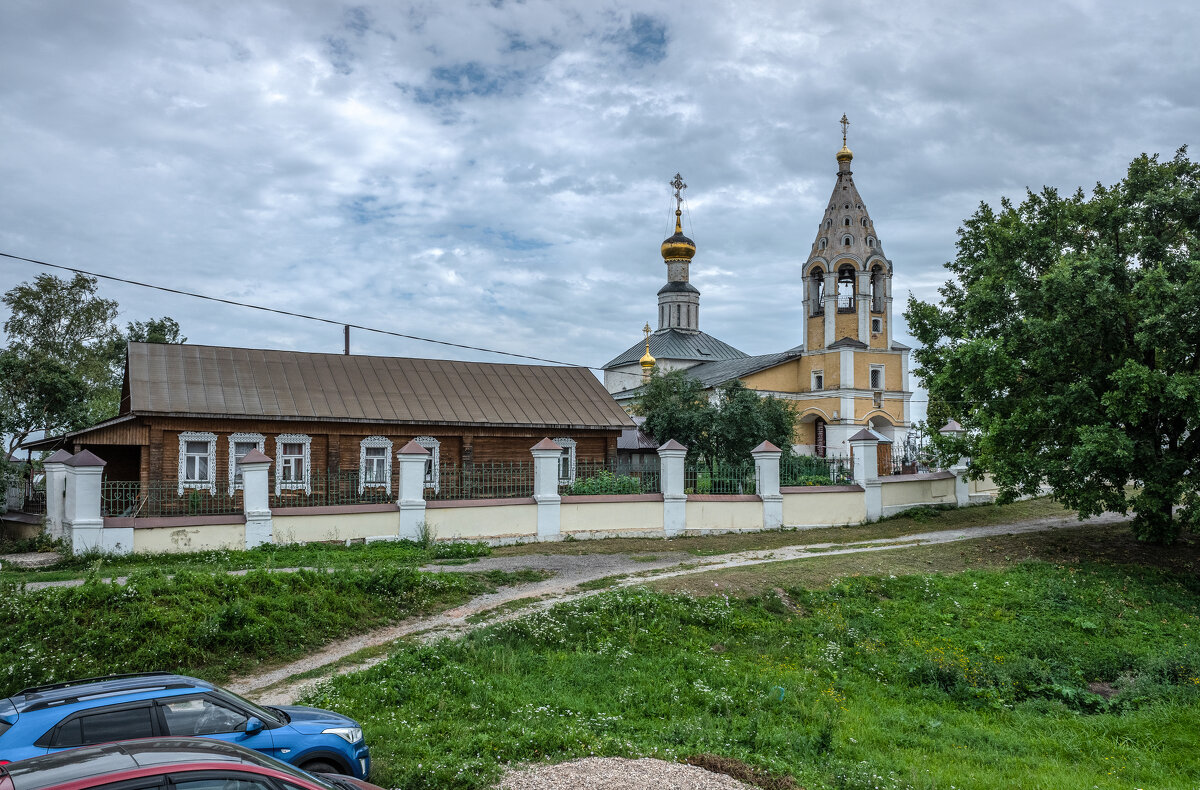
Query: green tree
pixel 743 420
pixel 676 407
pixel 61 369
pixel 1068 345
pixel 726 428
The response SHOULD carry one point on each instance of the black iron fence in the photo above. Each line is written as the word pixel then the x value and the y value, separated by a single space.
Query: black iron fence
pixel 498 480
pixel 615 477
pixel 811 470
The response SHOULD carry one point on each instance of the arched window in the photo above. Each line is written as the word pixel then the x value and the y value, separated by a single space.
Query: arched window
pixel 828 223
pixel 817 291
pixel 846 241
pixel 821 246
pixel 877 289
pixel 846 222
pixel 845 289
pixel 870 241
pixel 864 222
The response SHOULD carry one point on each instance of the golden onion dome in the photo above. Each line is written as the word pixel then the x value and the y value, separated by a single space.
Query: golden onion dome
pixel 647 361
pixel 845 155
pixel 678 246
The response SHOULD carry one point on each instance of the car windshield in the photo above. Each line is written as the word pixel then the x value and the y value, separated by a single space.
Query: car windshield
pixel 255 710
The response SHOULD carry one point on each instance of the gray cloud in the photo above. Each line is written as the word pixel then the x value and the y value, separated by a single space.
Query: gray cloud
pixel 495 173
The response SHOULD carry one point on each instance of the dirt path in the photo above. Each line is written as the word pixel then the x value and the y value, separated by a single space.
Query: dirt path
pixel 283 685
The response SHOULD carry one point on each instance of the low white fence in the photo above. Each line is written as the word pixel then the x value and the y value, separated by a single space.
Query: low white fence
pixel 545 516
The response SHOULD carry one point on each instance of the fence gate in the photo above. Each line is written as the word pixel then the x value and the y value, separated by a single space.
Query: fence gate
pixel 884 457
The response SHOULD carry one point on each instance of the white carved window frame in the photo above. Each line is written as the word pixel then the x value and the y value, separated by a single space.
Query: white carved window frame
pixel 568 446
pixel 434 478
pixel 211 482
pixel 818 386
pixel 293 485
pixel 260 444
pixel 375 441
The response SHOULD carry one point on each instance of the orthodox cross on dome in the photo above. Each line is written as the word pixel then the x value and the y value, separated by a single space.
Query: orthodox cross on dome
pixel 679 185
pixel 844 122
pixel 646 331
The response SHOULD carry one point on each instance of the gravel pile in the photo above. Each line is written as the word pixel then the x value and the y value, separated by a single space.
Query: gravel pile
pixel 617 773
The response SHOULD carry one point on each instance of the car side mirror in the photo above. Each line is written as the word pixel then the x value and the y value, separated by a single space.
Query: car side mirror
pixel 254 725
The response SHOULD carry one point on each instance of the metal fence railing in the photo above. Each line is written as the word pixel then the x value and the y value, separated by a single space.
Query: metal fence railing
pixel 719 478
pixel 162 498
pixel 498 480
pixel 910 466
pixel 615 477
pixel 811 470
pixel 331 488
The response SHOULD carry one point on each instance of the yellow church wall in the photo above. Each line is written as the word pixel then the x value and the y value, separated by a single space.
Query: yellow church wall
pixel 864 408
pixel 879 339
pixel 846 325
pixel 781 378
pixel 891 369
pixel 816 332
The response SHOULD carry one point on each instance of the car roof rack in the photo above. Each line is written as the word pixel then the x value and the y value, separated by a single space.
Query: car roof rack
pixel 38 690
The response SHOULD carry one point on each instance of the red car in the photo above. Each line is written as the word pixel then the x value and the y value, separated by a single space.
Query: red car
pixel 166 764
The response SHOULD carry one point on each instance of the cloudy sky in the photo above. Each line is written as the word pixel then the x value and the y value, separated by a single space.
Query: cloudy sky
pixel 495 173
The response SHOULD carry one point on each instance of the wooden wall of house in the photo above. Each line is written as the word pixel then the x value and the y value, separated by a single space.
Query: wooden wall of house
pixel 335 446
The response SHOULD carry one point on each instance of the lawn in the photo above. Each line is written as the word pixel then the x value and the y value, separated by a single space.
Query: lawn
pixel 210 624
pixel 294 555
pixel 1078 672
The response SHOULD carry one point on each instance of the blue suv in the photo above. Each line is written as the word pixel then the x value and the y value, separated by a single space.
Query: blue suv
pixel 116 707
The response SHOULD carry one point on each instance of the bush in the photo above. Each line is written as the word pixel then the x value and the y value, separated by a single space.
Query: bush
pixel 606 483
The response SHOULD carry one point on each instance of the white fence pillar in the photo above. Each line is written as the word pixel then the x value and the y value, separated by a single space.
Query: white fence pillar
pixel 56 482
pixel 546 455
pixel 671 474
pixel 865 448
pixel 410 461
pixel 82 516
pixel 766 483
pixel 256 503
pixel 962 492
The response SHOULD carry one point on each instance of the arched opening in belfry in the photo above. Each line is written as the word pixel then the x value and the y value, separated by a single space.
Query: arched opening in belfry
pixel 845 289
pixel 816 291
pixel 877 289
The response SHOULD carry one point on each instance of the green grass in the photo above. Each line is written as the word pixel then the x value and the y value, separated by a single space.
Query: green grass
pixel 211 624
pixel 923 520
pixel 296 555
pixel 1041 675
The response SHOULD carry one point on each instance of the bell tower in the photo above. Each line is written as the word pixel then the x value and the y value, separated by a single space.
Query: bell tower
pixel 848 279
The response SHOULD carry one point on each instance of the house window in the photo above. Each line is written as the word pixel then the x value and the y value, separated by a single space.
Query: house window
pixel 876 377
pixel 818 380
pixel 433 464
pixel 375 463
pixel 877 325
pixel 292 462
pixel 566 462
pixel 198 461
pixel 239 445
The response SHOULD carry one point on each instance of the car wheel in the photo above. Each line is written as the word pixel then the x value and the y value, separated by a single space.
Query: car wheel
pixel 322 767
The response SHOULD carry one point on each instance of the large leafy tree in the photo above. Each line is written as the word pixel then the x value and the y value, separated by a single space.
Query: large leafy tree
pixel 724 428
pixel 1068 345
pixel 61 368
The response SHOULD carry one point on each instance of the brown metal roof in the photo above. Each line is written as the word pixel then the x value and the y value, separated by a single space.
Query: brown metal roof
pixel 213 381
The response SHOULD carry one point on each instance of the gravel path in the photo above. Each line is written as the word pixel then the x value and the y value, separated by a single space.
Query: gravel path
pixel 617 773
pixel 280 686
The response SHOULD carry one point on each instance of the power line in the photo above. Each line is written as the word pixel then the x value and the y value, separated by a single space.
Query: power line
pixel 291 313
pixel 320 319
